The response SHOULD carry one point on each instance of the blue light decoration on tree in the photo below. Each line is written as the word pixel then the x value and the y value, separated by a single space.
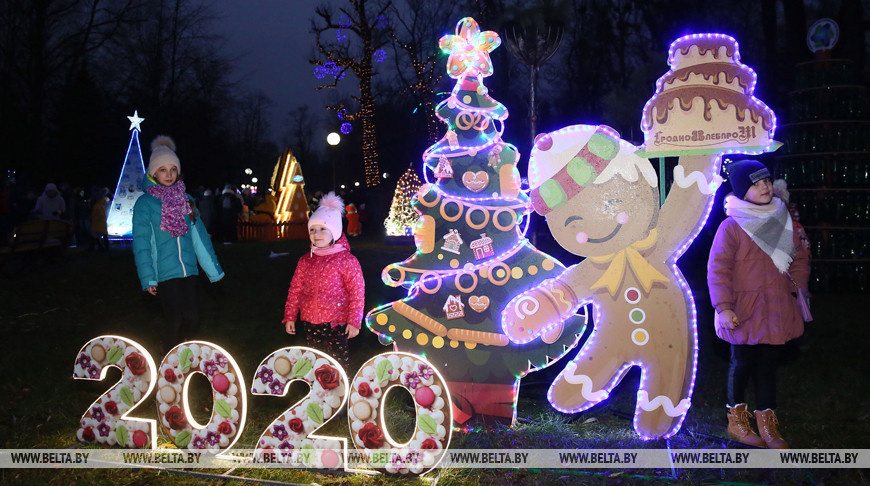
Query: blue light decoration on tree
pixel 346 128
pixel 472 255
pixel 120 215
pixel 380 55
pixel 329 69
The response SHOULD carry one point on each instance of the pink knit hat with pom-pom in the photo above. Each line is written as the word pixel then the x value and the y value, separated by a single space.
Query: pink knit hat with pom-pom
pixel 329 213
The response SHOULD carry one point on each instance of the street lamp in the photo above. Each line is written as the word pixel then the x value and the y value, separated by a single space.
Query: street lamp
pixel 333 139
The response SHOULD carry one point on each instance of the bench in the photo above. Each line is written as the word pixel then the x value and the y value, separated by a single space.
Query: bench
pixel 36 238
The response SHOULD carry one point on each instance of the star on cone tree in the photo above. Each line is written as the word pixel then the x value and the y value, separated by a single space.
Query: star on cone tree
pixel 119 220
pixel 472 257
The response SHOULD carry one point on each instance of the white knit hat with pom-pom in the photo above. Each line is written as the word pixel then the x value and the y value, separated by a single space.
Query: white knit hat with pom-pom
pixel 163 153
pixel 329 213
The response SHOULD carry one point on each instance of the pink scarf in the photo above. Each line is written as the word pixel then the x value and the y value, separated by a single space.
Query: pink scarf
pixel 332 250
pixel 175 206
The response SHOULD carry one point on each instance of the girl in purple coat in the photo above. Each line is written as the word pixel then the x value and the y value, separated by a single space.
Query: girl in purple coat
pixel 756 264
pixel 327 292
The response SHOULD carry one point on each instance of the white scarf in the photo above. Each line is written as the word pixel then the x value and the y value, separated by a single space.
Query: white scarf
pixel 769 225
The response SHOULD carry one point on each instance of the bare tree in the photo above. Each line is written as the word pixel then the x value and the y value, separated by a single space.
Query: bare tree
pixel 252 126
pixel 161 59
pixel 44 47
pixel 170 67
pixel 299 132
pixel 419 63
pixel 532 36
pixel 367 21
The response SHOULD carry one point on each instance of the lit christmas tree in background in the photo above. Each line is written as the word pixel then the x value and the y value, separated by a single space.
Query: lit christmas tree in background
pixel 403 217
pixel 472 257
pixel 120 215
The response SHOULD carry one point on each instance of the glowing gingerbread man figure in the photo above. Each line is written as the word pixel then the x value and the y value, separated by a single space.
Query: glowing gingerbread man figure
pixel 600 200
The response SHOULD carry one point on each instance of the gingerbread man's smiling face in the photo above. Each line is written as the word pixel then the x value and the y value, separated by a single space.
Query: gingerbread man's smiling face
pixel 605 218
pixel 598 196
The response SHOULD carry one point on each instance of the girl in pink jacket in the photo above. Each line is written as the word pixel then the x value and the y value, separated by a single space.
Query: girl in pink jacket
pixel 327 292
pixel 756 264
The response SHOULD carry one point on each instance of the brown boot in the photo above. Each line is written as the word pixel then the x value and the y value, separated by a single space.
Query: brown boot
pixel 767 423
pixel 739 428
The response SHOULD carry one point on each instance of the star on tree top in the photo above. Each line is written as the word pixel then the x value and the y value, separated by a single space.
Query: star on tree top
pixel 135 120
pixel 469 49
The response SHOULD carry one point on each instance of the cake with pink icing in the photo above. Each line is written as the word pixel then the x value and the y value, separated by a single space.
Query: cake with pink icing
pixel 704 104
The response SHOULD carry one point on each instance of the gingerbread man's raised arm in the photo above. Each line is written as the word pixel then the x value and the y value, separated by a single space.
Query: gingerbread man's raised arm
pixel 696 180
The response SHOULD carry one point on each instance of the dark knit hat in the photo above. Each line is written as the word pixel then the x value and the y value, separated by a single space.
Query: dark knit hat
pixel 744 173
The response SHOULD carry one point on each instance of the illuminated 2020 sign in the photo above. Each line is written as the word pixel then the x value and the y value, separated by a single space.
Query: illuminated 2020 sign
pixel 291 437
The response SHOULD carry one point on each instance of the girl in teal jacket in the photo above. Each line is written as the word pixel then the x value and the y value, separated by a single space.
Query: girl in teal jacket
pixel 169 241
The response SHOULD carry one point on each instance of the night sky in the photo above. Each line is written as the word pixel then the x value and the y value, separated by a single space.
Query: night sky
pixel 271 43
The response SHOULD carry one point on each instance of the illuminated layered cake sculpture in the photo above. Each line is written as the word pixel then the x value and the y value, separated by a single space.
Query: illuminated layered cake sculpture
pixel 704 104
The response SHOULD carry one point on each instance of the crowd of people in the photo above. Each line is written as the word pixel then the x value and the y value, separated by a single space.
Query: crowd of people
pixel 84 209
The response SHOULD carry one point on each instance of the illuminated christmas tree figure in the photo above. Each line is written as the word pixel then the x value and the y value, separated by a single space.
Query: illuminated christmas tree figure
pixel 402 216
pixel 119 219
pixel 472 257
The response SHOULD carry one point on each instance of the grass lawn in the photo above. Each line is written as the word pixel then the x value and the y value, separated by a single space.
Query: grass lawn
pixel 53 307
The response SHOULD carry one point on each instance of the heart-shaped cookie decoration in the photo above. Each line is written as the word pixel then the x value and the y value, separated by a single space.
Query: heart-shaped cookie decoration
pixel 475 181
pixel 478 304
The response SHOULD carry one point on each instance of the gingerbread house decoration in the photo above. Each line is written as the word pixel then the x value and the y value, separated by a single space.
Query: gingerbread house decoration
pixel 452 138
pixel 454 308
pixel 482 247
pixel 452 241
pixel 444 170
pixel 494 156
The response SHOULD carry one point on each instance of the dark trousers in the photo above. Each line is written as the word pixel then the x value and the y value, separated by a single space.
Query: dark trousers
pixel 330 340
pixel 760 362
pixel 178 299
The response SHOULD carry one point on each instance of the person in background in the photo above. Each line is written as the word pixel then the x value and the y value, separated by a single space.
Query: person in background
pixel 327 292
pixel 354 228
pixel 50 205
pixel 230 205
pixel 81 215
pixel 756 263
pixel 169 241
pixel 207 210
pixel 780 188
pixel 99 229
